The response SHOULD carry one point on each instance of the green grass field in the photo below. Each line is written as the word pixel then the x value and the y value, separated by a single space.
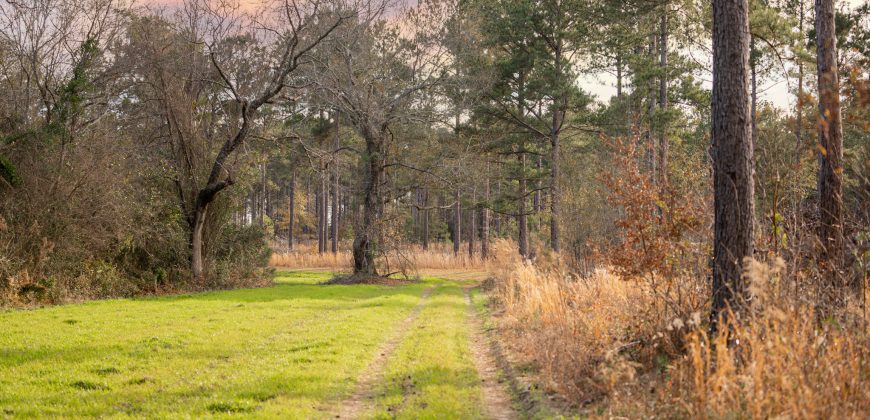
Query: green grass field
pixel 294 350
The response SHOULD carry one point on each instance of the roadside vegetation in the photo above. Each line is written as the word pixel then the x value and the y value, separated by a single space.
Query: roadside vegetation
pixel 605 346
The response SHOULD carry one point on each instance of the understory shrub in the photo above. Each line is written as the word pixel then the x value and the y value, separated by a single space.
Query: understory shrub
pixel 152 262
pixel 241 258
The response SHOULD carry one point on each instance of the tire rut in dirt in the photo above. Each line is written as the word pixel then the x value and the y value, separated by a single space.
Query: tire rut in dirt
pixel 497 401
pixel 363 397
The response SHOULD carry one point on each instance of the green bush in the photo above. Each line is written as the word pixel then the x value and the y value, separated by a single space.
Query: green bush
pixel 240 257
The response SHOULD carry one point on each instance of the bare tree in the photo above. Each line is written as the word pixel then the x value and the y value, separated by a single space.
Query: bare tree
pixel 252 59
pixel 58 139
pixel 374 73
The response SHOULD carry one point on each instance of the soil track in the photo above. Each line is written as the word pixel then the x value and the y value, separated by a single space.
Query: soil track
pixel 497 401
pixel 361 400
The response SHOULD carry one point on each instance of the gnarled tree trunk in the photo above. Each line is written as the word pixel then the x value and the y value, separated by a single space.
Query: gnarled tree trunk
pixel 367 237
pixel 196 242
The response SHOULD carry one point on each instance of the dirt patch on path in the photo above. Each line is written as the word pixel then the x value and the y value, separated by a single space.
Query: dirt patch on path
pixel 362 398
pixel 497 401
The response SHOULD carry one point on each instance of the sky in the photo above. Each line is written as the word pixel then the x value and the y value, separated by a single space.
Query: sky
pixel 775 90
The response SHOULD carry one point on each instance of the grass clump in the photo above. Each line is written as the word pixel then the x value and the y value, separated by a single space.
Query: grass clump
pixel 89 386
pixel 233 407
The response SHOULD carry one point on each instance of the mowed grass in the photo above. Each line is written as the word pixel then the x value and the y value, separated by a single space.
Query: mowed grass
pixel 432 373
pixel 289 351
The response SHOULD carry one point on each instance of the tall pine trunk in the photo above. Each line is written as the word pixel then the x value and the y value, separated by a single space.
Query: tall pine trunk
pixel 497 217
pixel 334 212
pixel 559 110
pixel 732 155
pixel 425 219
pixel 262 201
pixel 484 224
pixel 831 151
pixel 618 75
pixel 537 203
pixel 324 209
pixel 651 110
pixel 522 216
pixel 663 102
pixel 800 96
pixel 318 211
pixel 291 211
pixel 472 227
pixel 457 223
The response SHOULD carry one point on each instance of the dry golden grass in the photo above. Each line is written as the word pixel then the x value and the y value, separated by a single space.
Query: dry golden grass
pixel 606 345
pixel 778 362
pixel 310 259
pixel 571 329
pixel 437 257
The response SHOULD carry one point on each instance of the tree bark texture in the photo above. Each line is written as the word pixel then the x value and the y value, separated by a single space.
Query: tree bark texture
pixel 663 101
pixel 457 223
pixel 291 212
pixel 484 225
pixel 732 154
pixel 830 182
pixel 367 238
pixel 334 213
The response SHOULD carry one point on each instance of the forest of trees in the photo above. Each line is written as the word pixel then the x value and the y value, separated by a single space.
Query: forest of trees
pixel 151 148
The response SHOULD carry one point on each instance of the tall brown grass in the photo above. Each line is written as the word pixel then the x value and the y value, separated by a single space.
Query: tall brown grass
pixel 606 346
pixel 779 361
pixel 413 257
pixel 575 330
